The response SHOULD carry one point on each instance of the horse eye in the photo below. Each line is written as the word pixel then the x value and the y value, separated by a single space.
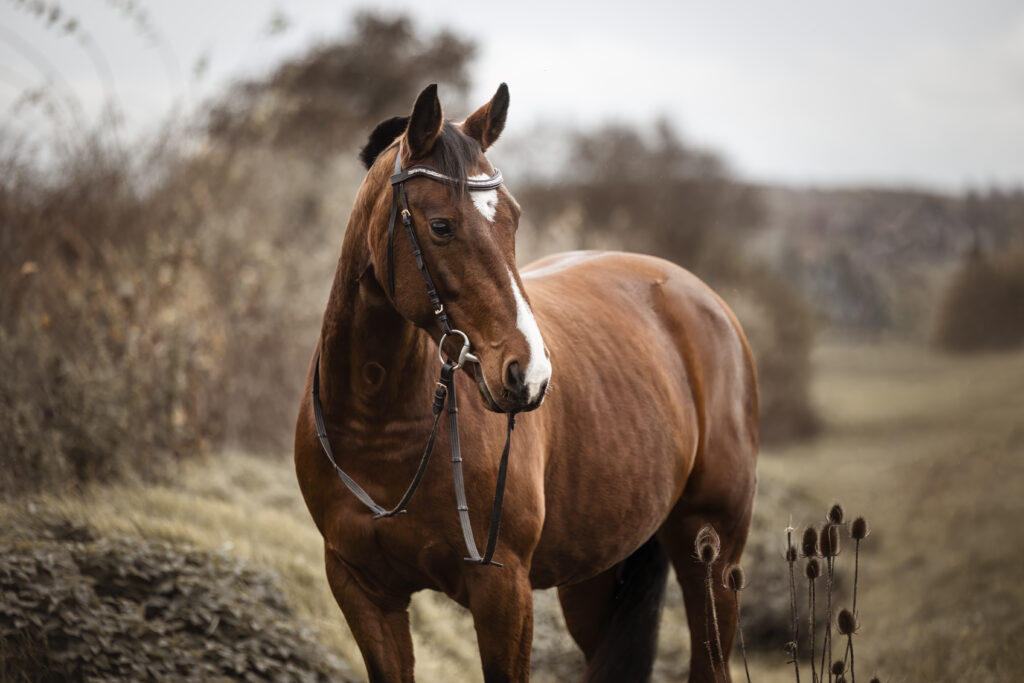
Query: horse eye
pixel 442 228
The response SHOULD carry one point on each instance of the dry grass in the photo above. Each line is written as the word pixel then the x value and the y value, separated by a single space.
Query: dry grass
pixel 927 446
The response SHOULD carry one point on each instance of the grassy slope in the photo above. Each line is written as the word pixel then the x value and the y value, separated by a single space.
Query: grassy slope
pixel 928 447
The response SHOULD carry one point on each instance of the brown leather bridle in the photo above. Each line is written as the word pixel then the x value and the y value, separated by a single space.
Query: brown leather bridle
pixel 445 387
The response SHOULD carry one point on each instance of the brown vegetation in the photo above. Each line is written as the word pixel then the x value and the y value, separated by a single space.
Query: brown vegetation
pixel 162 303
pixel 78 608
pixel 983 305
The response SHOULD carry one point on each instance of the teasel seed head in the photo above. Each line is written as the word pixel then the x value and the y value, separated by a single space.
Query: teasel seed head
pixel 840 679
pixel 707 553
pixel 829 540
pixel 836 514
pixel 847 622
pixel 707 544
pixel 735 578
pixel 860 529
pixel 813 568
pixel 876 679
pixel 791 554
pixel 809 543
pixel 838 667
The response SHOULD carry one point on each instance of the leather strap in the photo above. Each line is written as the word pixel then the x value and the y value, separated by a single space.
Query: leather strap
pixel 445 391
pixel 398 179
pixel 417 252
pixel 471 184
pixel 440 395
pixel 448 377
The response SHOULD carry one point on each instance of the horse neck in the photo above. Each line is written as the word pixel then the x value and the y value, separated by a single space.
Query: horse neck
pixel 372 360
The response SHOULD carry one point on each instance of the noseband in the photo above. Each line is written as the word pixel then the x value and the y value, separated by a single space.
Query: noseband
pixel 445 387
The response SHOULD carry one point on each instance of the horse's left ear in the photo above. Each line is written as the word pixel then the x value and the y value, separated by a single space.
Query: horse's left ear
pixel 487 122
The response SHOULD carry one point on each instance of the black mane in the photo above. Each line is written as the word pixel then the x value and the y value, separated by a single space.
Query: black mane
pixel 454 153
pixel 382 136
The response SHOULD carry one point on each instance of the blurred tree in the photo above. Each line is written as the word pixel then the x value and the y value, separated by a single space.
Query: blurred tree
pixel 330 97
pixel 647 189
pixel 982 308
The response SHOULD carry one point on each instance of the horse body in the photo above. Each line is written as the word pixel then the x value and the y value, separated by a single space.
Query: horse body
pixel 648 431
pixel 646 354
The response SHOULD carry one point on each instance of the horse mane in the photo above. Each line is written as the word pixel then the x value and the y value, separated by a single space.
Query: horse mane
pixel 454 152
pixel 381 138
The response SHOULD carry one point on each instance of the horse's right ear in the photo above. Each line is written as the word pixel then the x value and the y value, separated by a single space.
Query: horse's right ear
pixel 425 123
pixel 382 136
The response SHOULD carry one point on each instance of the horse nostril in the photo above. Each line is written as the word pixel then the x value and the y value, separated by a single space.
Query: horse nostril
pixel 514 379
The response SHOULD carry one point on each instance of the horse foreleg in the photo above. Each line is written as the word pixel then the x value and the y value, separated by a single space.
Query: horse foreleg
pixel 501 600
pixel 379 624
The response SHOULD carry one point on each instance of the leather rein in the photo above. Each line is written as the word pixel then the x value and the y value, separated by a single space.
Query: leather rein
pixel 444 393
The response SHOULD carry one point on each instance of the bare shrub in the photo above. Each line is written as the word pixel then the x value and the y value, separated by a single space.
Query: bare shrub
pixel 79 608
pixel 162 300
pixel 983 305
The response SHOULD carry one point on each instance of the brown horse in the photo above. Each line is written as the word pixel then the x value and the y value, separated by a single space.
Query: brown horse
pixel 648 428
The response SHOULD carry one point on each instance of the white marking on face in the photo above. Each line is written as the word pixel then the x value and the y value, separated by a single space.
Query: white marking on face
pixel 485 201
pixel 538 370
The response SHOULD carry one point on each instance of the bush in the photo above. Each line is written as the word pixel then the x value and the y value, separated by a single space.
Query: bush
pixel 76 608
pixel 163 300
pixel 983 306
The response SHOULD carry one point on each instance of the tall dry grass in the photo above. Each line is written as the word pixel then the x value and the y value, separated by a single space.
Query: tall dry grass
pixel 161 299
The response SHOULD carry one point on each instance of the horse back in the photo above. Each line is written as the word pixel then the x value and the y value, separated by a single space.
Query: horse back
pixel 653 380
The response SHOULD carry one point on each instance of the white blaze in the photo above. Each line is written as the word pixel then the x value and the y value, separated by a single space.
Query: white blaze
pixel 538 371
pixel 485 201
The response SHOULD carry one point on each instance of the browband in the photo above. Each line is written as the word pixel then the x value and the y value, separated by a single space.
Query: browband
pixel 400 176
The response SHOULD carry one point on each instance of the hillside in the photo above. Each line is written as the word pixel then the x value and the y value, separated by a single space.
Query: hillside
pixel 926 446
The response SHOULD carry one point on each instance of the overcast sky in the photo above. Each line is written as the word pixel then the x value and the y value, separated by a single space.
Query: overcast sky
pixel 925 93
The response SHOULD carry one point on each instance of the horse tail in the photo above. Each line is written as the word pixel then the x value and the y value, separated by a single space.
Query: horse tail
pixel 630 637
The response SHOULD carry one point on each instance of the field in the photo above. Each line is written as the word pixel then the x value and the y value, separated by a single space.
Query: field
pixel 927 446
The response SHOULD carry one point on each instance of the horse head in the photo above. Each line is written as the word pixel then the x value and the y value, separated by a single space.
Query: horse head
pixel 464 223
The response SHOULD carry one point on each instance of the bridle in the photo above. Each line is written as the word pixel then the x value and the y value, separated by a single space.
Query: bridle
pixel 444 392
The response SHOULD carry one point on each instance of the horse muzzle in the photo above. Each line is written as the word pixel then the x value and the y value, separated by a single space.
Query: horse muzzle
pixel 516 396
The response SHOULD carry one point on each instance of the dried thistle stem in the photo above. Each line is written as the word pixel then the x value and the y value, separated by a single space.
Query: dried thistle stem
pixel 707 545
pixel 795 628
pixel 810 619
pixel 739 622
pixel 848 657
pixel 714 620
pixel 856 572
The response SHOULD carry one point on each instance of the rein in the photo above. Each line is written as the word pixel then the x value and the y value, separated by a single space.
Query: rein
pixel 444 393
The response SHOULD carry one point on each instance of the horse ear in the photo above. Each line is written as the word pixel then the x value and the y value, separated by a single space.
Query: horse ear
pixel 487 122
pixel 382 136
pixel 425 123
